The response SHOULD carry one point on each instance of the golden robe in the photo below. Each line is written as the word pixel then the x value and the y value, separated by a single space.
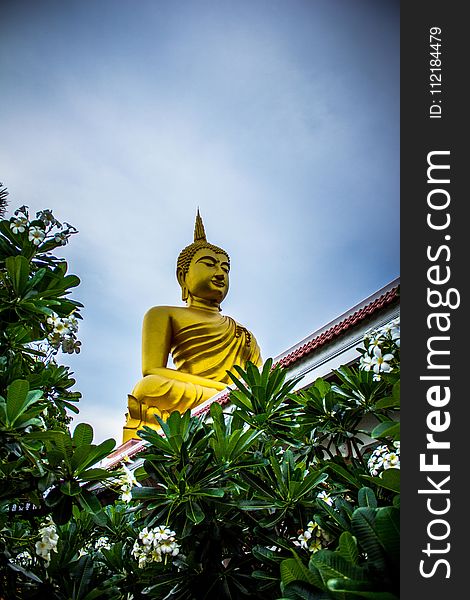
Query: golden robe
pixel 202 354
pixel 211 348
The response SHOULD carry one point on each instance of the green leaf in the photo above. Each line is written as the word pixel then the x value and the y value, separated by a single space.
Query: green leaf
pixel 16 398
pixel 28 574
pixel 361 589
pixel 264 575
pixel 70 488
pixel 18 271
pixel 293 569
pixel 80 457
pixel 83 434
pixel 389 402
pixel 366 497
pixel 396 391
pixel 62 511
pixel 386 429
pixel 194 512
pixel 387 524
pixel 95 475
pixel 19 399
pixel 388 479
pixel 343 473
pixel 332 565
pixel 89 502
pixel 310 482
pixel 34 281
pixel 82 575
pixel 95 454
pixel 265 554
pixel 254 504
pixel 365 529
pixel 211 492
pixel 334 514
pixel 301 591
pixel 146 493
pixel 348 547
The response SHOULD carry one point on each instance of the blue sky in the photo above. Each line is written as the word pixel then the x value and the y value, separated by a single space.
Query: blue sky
pixel 279 119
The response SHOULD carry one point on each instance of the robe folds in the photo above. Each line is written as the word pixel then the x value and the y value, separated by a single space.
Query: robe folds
pixel 210 348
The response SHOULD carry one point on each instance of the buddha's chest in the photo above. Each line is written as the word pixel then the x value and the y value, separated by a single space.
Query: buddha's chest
pixel 187 318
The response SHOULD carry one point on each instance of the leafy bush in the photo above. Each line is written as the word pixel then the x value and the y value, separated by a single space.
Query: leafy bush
pixel 44 469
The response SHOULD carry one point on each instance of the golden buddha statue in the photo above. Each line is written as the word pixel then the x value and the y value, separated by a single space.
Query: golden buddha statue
pixel 204 344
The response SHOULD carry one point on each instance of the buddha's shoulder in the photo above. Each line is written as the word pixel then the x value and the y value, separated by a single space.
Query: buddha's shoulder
pixel 160 312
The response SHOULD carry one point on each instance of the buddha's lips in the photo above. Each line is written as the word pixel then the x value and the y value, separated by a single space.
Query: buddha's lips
pixel 218 283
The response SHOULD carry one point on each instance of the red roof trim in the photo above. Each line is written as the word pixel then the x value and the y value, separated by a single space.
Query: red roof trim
pixel 339 328
pixel 133 447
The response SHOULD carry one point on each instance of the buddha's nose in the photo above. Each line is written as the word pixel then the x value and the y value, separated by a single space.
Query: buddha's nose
pixel 220 276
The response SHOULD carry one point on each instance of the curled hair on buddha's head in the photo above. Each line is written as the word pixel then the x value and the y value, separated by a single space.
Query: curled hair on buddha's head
pixel 200 241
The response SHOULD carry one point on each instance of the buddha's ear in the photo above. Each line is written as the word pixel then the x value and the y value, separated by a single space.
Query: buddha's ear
pixel 181 277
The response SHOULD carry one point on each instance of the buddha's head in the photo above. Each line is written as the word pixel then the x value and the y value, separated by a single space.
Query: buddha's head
pixel 203 269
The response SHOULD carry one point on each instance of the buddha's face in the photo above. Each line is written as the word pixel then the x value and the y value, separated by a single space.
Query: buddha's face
pixel 208 276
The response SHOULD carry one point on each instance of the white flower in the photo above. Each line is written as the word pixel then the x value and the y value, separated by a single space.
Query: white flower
pixel 126 496
pixel 71 345
pixel 72 323
pixel 365 362
pixel 155 543
pixel 304 538
pixel 142 560
pixel 381 363
pixel 326 498
pixel 169 547
pixel 163 533
pixel 156 555
pixel 313 538
pixel 382 458
pixel 60 327
pixel 36 235
pixel 315 546
pixel 46 217
pixel 23 558
pixel 375 343
pixel 392 461
pixel 102 542
pixel 60 238
pixel 48 541
pixel 18 225
pixel 43 549
pixel 128 476
pixel 127 481
pixel 147 536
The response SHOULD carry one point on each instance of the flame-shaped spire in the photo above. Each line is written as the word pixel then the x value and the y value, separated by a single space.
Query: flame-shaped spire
pixel 199 232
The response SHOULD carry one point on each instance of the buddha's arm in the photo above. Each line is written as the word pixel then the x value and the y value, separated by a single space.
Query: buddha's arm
pixel 156 342
pixel 187 378
pixel 156 339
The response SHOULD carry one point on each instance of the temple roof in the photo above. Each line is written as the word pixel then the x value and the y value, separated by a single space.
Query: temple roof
pixel 348 320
